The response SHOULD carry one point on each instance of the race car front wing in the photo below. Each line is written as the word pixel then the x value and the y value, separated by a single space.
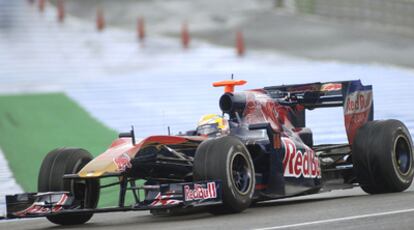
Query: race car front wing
pixel 163 196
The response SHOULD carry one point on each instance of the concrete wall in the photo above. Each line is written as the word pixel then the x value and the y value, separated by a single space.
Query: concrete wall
pixel 397 15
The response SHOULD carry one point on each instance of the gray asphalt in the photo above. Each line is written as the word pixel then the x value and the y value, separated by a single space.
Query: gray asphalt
pixel 324 207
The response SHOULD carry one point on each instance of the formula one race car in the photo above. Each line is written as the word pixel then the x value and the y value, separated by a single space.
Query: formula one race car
pixel 268 153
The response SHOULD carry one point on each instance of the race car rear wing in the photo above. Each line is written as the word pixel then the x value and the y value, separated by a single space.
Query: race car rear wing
pixel 355 98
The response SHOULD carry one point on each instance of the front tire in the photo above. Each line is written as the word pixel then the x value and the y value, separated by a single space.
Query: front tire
pixel 69 161
pixel 383 157
pixel 227 159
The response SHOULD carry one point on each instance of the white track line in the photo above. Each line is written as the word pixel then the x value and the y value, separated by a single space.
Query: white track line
pixel 338 219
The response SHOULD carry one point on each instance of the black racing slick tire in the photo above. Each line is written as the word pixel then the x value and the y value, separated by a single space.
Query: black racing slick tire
pixel 382 154
pixel 227 159
pixel 69 161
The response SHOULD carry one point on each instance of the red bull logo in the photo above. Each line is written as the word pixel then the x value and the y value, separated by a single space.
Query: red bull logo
pixel 123 162
pixel 297 163
pixel 358 102
pixel 199 192
pixel 331 87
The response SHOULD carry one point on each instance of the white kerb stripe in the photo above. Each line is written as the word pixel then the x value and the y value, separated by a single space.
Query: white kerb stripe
pixel 338 219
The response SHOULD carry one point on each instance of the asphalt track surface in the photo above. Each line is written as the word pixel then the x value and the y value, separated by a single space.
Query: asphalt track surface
pixel 342 209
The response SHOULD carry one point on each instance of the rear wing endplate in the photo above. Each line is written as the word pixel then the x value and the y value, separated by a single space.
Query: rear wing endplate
pixel 355 98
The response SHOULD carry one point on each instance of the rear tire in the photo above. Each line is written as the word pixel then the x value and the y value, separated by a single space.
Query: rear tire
pixel 68 161
pixel 227 159
pixel 383 157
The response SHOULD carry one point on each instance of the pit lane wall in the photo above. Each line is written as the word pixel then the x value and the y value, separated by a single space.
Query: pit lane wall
pixel 395 15
pixel 32 125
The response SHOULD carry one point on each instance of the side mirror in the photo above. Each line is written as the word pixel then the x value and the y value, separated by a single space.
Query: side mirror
pixel 274 138
pixel 257 126
pixel 130 134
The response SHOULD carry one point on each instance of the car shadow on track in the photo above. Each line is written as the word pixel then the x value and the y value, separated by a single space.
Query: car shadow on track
pixel 302 200
pixel 189 215
pixel 130 219
pixel 201 218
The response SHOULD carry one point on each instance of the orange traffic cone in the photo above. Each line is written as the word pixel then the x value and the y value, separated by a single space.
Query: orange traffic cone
pixel 60 11
pixel 41 5
pixel 240 48
pixel 100 20
pixel 185 36
pixel 141 29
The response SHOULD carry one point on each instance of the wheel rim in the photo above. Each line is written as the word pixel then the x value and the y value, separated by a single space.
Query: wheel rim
pixel 403 156
pixel 241 173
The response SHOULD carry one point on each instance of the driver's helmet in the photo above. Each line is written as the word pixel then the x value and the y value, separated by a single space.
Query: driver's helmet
pixel 212 125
